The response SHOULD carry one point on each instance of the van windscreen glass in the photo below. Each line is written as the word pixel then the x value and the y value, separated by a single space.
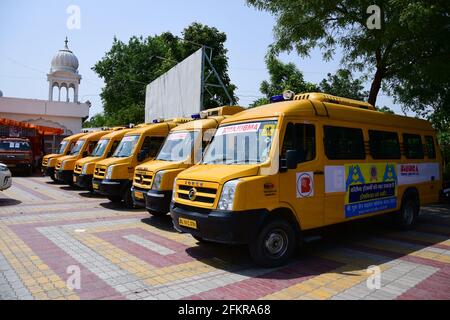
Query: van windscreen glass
pixel 11 145
pixel 63 146
pixel 178 146
pixel 77 147
pixel 126 146
pixel 243 143
pixel 100 148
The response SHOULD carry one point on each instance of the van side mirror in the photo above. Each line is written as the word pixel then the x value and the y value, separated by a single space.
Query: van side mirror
pixel 292 159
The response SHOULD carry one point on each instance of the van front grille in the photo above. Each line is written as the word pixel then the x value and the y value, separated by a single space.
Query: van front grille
pixel 78 168
pixel 100 172
pixel 197 192
pixel 143 179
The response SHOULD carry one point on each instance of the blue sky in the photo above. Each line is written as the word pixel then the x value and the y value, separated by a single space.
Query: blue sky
pixel 31 32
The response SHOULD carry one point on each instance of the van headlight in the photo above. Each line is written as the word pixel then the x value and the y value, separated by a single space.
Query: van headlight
pixel 109 172
pixel 63 164
pixel 85 168
pixel 157 180
pixel 173 189
pixel 227 197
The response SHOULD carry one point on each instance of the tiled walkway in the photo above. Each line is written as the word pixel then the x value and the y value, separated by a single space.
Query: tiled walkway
pixel 51 236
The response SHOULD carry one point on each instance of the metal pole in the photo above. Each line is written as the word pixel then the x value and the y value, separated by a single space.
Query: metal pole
pixel 219 79
pixel 202 86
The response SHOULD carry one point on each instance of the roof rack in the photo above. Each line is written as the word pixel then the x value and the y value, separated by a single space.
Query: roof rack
pixel 324 97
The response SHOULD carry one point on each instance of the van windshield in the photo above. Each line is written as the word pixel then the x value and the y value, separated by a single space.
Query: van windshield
pixel 178 146
pixel 100 148
pixel 11 145
pixel 126 146
pixel 243 143
pixel 77 147
pixel 62 146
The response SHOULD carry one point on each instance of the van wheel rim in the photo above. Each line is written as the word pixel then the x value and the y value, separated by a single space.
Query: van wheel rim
pixel 276 243
pixel 409 213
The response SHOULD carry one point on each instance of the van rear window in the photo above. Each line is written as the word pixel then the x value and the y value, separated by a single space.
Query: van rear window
pixel 384 145
pixel 344 143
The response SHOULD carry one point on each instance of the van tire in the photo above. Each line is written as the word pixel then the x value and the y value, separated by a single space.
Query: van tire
pixel 406 218
pixel 274 245
pixel 128 199
pixel 114 199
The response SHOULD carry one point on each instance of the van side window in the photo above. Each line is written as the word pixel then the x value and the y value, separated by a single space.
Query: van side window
pixel 384 145
pixel 431 150
pixel 300 137
pixel 151 146
pixel 344 143
pixel 412 144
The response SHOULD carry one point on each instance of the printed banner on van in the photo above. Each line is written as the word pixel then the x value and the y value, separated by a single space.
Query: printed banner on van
pixel 370 188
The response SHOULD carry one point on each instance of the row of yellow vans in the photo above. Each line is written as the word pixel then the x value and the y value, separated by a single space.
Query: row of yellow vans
pixel 266 175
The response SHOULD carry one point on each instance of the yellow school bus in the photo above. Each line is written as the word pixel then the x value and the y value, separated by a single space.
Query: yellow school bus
pixel 113 177
pixel 82 148
pixel 274 171
pixel 49 161
pixel 84 168
pixel 153 180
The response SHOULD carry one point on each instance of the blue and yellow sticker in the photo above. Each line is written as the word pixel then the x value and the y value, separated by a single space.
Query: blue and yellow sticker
pixel 370 188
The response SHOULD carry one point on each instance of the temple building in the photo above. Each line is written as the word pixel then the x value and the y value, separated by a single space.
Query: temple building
pixel 62 109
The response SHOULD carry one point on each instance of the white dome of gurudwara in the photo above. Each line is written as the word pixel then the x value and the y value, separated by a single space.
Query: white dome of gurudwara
pixel 64 60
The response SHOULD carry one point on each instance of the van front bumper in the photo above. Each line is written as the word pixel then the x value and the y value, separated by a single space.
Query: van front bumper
pixel 65 176
pixel 158 201
pixel 109 187
pixel 48 171
pixel 138 201
pixel 230 227
pixel 83 181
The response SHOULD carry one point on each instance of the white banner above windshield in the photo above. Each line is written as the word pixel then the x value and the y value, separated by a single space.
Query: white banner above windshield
pixel 239 128
pixel 177 136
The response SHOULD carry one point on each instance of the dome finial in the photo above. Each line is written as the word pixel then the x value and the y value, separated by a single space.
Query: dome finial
pixel 65 42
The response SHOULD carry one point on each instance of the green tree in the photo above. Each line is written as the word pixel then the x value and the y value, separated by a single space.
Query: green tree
pixel 215 41
pixel 286 76
pixel 282 76
pixel 342 84
pixel 408 55
pixel 386 110
pixel 127 68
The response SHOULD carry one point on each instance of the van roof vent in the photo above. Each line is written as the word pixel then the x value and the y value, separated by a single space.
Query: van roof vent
pixel 323 97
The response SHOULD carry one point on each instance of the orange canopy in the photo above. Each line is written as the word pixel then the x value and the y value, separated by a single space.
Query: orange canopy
pixel 42 130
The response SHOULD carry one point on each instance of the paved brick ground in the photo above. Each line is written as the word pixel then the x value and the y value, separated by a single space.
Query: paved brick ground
pixel 47 230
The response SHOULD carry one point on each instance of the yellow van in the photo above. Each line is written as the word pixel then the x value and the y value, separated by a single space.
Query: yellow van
pixel 49 161
pixel 84 168
pixel 153 180
pixel 113 177
pixel 274 171
pixel 82 148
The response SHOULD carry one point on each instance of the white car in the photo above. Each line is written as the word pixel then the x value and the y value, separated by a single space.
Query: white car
pixel 5 177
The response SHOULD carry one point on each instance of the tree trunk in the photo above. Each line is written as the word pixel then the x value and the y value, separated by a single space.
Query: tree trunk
pixel 375 87
pixel 379 74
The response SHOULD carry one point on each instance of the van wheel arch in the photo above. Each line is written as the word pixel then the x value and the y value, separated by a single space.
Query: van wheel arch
pixel 285 214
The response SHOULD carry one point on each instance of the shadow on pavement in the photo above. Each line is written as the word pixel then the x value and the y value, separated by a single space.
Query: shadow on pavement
pixel 9 202
pixel 334 240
